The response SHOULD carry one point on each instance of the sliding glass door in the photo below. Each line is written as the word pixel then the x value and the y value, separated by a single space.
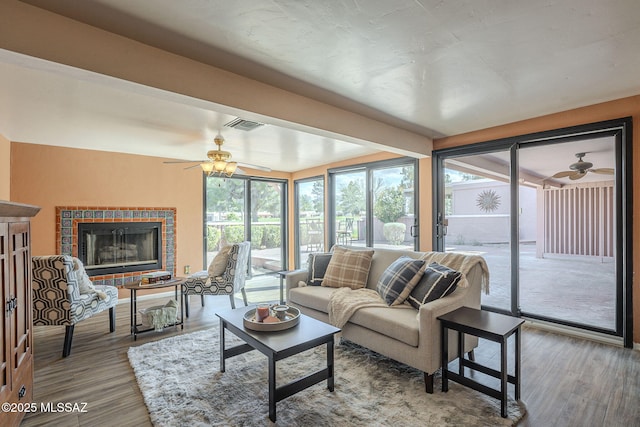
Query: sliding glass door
pixel 476 217
pixel 249 209
pixel 549 212
pixel 568 254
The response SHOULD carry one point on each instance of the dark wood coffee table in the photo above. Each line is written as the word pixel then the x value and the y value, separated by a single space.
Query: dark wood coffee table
pixel 278 345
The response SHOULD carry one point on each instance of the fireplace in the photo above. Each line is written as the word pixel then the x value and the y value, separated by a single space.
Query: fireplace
pixel 68 219
pixel 107 248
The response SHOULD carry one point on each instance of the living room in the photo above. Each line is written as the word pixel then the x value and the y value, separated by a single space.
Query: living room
pixel 54 175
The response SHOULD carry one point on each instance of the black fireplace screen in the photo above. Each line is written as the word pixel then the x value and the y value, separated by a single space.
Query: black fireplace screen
pixel 110 248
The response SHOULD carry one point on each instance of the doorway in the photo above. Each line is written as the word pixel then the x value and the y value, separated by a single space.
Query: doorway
pixel 548 212
pixel 249 209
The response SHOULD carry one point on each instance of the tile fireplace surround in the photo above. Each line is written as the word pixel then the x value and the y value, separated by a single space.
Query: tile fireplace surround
pixel 68 217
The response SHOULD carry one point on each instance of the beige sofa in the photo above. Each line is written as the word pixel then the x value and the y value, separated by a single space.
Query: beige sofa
pixel 409 336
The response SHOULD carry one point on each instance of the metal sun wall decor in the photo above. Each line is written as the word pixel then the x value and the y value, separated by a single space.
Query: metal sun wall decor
pixel 488 201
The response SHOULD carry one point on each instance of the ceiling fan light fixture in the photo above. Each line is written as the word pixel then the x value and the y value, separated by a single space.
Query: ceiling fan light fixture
pixel 207 167
pixel 230 168
pixel 219 166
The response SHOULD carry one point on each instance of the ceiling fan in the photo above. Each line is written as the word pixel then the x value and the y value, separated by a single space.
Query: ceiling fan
pixel 580 168
pixel 219 162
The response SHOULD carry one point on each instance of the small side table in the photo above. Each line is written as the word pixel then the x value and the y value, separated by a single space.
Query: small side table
pixel 134 288
pixel 483 324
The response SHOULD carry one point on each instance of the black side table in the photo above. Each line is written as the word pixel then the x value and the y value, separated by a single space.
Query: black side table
pixel 483 324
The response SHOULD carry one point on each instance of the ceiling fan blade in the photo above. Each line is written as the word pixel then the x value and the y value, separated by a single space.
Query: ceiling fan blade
pixel 604 171
pixel 184 161
pixel 192 166
pixel 563 174
pixel 261 168
pixel 577 175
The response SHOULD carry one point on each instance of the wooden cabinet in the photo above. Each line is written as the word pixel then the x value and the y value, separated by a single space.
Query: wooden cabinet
pixel 16 323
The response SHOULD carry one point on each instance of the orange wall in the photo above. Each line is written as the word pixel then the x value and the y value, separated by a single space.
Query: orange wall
pixel 626 107
pixel 48 176
pixel 5 168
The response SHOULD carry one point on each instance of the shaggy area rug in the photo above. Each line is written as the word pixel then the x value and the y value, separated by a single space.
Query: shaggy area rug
pixel 182 385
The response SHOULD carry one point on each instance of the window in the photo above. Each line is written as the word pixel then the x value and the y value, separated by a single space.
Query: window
pixel 309 218
pixel 374 205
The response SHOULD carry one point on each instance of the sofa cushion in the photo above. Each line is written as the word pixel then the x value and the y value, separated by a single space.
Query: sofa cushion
pixel 348 268
pixel 399 279
pixel 400 323
pixel 317 267
pixel 315 297
pixel 436 282
pixel 382 258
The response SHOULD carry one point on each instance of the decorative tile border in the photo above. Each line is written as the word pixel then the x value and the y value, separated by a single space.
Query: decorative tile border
pixel 68 217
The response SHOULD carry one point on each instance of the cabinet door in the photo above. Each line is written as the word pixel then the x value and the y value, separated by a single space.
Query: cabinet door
pixel 20 289
pixel 5 323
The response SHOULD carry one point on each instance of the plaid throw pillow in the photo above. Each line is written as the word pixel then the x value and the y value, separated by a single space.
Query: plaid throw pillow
pixel 399 279
pixel 317 268
pixel 437 281
pixel 348 268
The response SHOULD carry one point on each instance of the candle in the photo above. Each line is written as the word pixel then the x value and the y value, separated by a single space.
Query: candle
pixel 262 311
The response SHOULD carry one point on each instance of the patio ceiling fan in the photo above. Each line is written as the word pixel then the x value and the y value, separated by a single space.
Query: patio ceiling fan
pixel 219 162
pixel 580 168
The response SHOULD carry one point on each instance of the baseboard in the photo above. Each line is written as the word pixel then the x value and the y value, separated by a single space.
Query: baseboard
pixel 577 333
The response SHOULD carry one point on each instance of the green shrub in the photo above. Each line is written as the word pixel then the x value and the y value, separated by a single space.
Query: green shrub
pixel 257 236
pixel 233 234
pixel 213 238
pixel 394 232
pixel 272 237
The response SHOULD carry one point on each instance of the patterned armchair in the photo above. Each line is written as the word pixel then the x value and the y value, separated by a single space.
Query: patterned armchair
pixel 57 297
pixel 228 283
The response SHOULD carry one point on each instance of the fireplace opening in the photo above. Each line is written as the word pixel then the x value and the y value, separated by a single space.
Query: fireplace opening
pixel 120 247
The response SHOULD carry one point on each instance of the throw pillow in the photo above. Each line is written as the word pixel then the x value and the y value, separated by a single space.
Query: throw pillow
pixel 399 279
pixel 348 268
pixel 437 281
pixel 85 285
pixel 318 264
pixel 219 263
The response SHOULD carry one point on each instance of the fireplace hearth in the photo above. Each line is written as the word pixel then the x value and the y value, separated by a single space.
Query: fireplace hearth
pixel 107 248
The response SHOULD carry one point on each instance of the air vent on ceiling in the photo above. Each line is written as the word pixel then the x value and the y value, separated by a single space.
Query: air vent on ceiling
pixel 242 124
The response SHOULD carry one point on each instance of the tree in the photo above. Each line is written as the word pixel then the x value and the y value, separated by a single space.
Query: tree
pixel 225 195
pixel 352 200
pixel 389 205
pixel 265 197
pixel 317 194
pixel 305 202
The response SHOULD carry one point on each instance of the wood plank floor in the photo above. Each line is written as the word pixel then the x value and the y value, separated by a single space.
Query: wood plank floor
pixel 566 381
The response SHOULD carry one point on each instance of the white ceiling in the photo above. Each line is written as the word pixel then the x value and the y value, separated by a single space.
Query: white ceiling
pixel 433 67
